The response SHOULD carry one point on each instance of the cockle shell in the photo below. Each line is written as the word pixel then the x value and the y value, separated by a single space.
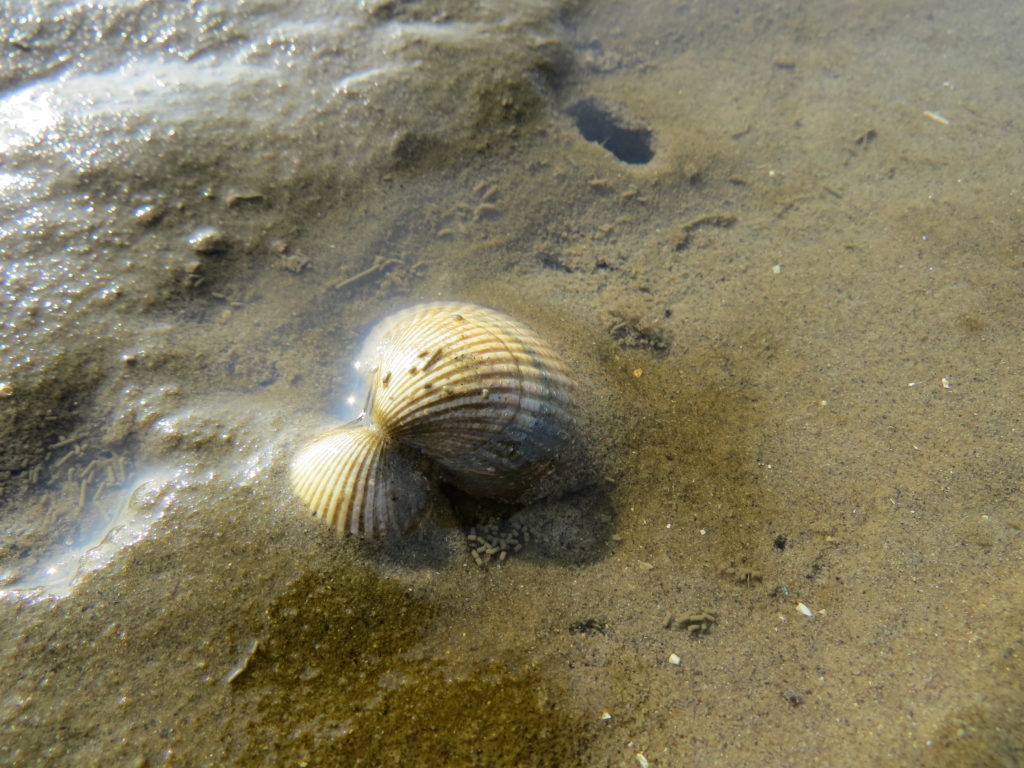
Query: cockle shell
pixel 360 482
pixel 467 387
pixel 473 389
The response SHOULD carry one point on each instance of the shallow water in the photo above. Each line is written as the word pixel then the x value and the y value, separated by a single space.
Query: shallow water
pixel 778 243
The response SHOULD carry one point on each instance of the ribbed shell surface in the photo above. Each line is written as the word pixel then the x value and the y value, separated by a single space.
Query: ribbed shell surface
pixel 473 389
pixel 357 481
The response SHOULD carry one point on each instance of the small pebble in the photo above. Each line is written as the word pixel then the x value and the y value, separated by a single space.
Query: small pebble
pixel 148 214
pixel 793 697
pixel 208 240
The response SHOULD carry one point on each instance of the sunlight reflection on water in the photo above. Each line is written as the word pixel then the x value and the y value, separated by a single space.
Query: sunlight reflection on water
pixel 122 520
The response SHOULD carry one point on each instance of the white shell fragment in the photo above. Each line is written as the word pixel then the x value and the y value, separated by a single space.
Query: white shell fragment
pixel 804 609
pixel 357 481
pixel 674 659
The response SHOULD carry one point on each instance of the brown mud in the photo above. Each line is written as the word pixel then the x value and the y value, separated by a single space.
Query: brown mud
pixel 796 328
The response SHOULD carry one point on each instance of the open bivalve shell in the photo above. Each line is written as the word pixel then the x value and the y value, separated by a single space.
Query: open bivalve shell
pixel 360 482
pixel 473 389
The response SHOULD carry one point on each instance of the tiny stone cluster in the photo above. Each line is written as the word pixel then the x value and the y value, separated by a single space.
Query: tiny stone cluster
pixel 492 542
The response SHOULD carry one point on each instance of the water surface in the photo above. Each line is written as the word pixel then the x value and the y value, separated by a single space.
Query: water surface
pixel 779 245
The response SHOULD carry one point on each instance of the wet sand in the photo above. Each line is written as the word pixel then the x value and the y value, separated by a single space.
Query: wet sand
pixel 795 330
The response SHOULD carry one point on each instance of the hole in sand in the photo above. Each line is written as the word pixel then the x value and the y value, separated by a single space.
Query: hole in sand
pixel 604 124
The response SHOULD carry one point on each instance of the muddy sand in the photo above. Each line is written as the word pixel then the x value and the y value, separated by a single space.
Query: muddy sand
pixel 779 245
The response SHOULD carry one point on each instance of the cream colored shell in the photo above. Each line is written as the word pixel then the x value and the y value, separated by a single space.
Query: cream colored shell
pixel 359 482
pixel 470 388
pixel 475 390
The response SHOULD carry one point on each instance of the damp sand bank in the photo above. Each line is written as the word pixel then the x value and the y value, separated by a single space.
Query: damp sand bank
pixel 793 306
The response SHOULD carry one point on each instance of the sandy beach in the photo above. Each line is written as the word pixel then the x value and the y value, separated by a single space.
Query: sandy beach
pixel 779 245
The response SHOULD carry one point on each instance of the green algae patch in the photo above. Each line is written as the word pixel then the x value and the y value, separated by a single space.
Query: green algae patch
pixel 283 648
pixel 496 718
pixel 337 686
pixel 987 733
